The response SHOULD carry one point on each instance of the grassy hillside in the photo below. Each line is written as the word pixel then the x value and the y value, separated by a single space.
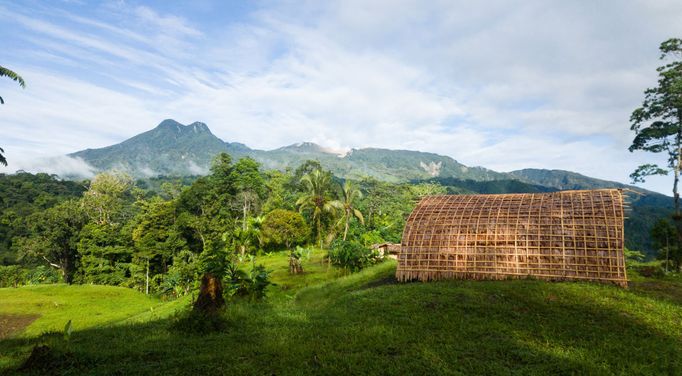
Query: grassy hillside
pixel 366 323
pixel 86 305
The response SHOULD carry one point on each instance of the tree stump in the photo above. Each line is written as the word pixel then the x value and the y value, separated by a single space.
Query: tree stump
pixel 210 298
pixel 295 265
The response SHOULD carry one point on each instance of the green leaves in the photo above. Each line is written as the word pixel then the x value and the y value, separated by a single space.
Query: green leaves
pixel 4 72
pixel 646 170
pixel 658 122
pixel 284 228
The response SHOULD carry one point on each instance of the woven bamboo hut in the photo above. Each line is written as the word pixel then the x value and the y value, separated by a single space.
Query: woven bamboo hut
pixel 568 235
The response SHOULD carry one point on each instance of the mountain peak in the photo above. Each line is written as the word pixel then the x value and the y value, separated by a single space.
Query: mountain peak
pixel 309 147
pixel 174 126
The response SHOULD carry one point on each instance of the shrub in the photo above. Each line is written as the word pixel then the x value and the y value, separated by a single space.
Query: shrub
pixel 251 285
pixel 295 259
pixel 181 275
pixel 42 274
pixel 12 276
pixel 370 238
pixel 650 271
pixel 352 255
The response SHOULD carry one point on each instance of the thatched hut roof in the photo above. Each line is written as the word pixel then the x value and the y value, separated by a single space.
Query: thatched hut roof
pixel 561 235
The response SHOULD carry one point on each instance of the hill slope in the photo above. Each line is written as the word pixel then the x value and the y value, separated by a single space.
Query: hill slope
pixel 366 323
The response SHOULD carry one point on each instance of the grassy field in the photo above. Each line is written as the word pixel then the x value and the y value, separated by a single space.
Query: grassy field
pixel 365 323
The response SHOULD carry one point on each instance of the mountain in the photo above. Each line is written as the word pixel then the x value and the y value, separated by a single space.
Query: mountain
pixel 169 149
pixel 174 149
pixel 563 180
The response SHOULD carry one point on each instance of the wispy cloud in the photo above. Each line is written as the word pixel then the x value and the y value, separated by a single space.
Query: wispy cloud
pixel 501 84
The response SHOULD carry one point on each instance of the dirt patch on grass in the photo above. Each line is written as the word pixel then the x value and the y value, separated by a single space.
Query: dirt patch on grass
pixel 13 324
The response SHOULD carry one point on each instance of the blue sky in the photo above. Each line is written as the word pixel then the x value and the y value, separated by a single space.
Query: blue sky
pixel 501 84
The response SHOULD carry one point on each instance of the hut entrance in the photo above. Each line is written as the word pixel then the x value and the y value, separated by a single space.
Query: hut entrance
pixel 568 235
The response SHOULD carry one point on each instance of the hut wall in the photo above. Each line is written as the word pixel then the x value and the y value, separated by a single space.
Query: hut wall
pixel 569 235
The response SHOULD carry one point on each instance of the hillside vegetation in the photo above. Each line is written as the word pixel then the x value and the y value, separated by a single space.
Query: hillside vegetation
pixel 365 323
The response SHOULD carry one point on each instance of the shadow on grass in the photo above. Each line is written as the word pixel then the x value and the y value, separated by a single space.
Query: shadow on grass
pixel 456 327
pixel 661 289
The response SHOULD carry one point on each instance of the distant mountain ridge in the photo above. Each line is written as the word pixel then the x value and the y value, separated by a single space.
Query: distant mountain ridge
pixel 174 149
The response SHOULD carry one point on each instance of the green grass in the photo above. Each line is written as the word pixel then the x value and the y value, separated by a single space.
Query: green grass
pixel 365 323
pixel 86 305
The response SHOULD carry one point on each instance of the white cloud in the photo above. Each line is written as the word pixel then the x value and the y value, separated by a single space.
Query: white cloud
pixel 501 84
pixel 63 166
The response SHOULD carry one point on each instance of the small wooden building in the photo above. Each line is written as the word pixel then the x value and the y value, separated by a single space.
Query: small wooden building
pixel 568 235
pixel 389 250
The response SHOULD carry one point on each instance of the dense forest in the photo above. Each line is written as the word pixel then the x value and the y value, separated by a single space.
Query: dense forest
pixel 155 235
pixel 158 235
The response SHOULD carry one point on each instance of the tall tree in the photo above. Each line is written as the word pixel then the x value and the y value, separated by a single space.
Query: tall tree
pixel 4 72
pixel 105 253
pixel 250 187
pixel 350 195
pixel 283 227
pixel 206 209
pixel 54 236
pixel 156 236
pixel 104 201
pixel 317 199
pixel 658 124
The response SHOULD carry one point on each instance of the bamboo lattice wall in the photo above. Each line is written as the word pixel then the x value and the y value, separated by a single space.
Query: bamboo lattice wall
pixel 569 235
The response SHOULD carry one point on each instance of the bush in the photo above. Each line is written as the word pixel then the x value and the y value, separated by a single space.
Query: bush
pixel 370 238
pixel 42 274
pixel 181 275
pixel 296 258
pixel 352 255
pixel 12 276
pixel 251 285
pixel 650 271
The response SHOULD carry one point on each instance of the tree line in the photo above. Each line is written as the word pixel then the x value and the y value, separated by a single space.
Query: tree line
pixel 116 231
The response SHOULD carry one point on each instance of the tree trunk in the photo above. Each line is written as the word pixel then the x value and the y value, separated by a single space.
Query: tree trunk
pixel 244 209
pixel 667 250
pixel 345 230
pixel 210 299
pixel 319 232
pixel 676 217
pixel 146 288
pixel 676 171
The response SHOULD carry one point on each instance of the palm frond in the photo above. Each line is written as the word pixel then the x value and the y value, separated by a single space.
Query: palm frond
pixel 4 72
pixel 358 215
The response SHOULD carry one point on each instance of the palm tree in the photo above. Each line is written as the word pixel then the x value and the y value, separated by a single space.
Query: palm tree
pixel 350 194
pixel 4 72
pixel 316 198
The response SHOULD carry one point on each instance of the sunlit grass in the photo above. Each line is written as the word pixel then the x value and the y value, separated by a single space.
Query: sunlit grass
pixel 366 323
pixel 85 305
